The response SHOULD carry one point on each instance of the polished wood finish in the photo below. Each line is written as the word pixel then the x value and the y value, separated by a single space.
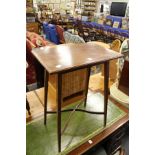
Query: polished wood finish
pixel 59 110
pixel 68 56
pixel 28 107
pixel 106 89
pixel 62 59
pixel 45 94
pixel 32 27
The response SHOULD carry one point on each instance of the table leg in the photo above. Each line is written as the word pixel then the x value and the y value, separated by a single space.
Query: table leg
pixel 87 85
pixel 106 90
pixel 27 103
pixel 45 94
pixel 28 107
pixel 59 92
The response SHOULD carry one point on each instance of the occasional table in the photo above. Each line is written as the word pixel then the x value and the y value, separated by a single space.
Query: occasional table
pixel 67 58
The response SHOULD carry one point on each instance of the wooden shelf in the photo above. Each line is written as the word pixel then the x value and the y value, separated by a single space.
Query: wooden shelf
pixel 89 6
pixel 89 9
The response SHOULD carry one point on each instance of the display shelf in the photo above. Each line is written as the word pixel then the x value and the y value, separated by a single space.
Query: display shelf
pixel 89 7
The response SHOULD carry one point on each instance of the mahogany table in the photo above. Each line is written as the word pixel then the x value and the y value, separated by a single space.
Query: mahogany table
pixel 66 58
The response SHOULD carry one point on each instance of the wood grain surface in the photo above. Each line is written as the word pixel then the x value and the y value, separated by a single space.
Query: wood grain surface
pixel 70 56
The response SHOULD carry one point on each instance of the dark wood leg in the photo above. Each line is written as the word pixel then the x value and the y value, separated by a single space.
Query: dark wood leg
pixel 28 107
pixel 106 90
pixel 59 92
pixel 45 94
pixel 87 85
pixel 27 103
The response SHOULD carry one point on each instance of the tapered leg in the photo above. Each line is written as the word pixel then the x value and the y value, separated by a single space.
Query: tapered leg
pixel 106 89
pixel 59 110
pixel 27 103
pixel 28 107
pixel 87 85
pixel 45 94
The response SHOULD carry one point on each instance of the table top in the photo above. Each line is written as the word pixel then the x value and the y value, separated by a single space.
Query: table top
pixel 68 56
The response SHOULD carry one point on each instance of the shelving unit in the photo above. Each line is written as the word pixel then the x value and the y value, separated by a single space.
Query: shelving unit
pixel 89 7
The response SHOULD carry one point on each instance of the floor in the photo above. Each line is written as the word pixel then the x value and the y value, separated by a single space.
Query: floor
pixel 95 84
